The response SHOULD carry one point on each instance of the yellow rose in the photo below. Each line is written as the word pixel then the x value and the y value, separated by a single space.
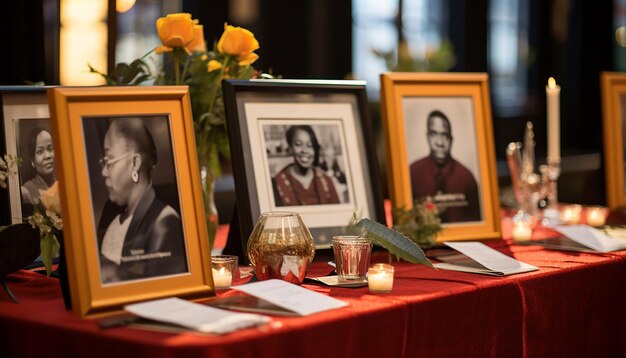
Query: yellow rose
pixel 50 198
pixel 197 44
pixel 214 65
pixel 175 30
pixel 248 60
pixel 237 41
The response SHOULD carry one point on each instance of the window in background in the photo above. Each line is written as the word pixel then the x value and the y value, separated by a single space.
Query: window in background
pixel 375 29
pixel 619 23
pixel 509 56
pixel 136 27
pixel 83 40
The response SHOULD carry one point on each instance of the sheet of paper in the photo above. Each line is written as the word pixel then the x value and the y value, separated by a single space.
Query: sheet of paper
pixel 292 297
pixel 334 281
pixel 592 238
pixel 195 316
pixel 480 258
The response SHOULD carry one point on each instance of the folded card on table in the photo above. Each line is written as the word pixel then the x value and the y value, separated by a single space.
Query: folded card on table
pixel 476 257
pixel 292 297
pixel 195 316
pixel 591 238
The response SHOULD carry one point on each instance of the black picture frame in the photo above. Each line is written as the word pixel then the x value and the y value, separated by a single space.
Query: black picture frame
pixel 18 104
pixel 338 110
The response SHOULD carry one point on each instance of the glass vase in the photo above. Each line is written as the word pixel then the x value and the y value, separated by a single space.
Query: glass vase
pixel 210 209
pixel 281 247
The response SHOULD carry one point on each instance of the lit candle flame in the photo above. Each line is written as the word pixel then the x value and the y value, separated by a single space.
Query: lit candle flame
pixel 551 82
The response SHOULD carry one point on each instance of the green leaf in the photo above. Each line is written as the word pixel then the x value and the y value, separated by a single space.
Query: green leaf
pixel 396 243
pixel 49 247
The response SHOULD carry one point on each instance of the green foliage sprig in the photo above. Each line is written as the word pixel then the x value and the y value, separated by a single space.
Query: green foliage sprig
pixel 396 243
pixel 421 223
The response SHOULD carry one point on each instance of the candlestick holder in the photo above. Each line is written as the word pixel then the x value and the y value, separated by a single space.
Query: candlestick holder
pixel 530 187
pixel 550 175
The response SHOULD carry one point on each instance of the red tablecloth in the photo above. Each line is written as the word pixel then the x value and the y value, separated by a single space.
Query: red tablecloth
pixel 572 306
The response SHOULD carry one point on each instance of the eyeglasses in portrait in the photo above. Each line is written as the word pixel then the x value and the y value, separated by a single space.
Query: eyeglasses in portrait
pixel 134 197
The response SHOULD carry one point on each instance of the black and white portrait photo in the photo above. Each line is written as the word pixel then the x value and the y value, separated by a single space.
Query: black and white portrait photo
pixel 37 172
pixel 135 198
pixel 442 155
pixel 307 164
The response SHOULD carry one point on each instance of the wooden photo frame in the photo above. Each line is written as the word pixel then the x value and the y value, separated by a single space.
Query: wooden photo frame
pixel 439 145
pixel 334 118
pixel 613 87
pixel 25 125
pixel 130 191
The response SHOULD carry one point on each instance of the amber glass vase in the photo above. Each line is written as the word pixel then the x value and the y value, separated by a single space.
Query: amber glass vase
pixel 281 247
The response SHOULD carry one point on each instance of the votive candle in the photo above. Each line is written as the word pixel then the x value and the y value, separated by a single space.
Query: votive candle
pixel 222 278
pixel 224 268
pixel 571 214
pixel 522 231
pixel 596 216
pixel 380 278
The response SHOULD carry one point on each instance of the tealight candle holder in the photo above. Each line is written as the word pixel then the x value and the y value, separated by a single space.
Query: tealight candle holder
pixel 596 215
pixel 570 214
pixel 380 278
pixel 522 231
pixel 523 224
pixel 224 268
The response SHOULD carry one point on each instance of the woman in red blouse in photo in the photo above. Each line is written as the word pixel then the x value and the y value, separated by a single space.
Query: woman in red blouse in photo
pixel 303 182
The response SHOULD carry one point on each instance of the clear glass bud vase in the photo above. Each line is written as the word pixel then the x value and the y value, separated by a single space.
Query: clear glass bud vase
pixel 281 247
pixel 210 209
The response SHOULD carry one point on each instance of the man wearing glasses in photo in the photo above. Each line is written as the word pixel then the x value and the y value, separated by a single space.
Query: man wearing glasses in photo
pixel 145 239
pixel 442 178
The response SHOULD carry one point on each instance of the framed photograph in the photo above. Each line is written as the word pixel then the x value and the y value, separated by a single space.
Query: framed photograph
pixel 129 183
pixel 26 134
pixel 439 145
pixel 304 146
pixel 613 87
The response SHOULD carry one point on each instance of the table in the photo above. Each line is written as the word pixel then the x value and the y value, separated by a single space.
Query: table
pixel 572 306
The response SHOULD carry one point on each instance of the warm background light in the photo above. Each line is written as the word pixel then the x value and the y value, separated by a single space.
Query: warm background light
pixel 620 36
pixel 83 40
pixel 122 6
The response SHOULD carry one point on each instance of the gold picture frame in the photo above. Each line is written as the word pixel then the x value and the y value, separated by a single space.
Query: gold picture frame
pixel 407 101
pixel 91 123
pixel 613 87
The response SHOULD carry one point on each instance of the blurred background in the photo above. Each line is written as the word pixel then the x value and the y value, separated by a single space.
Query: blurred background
pixel 519 43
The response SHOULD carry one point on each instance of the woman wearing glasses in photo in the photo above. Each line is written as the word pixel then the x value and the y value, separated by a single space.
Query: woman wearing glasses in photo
pixel 303 182
pixel 145 238
pixel 40 155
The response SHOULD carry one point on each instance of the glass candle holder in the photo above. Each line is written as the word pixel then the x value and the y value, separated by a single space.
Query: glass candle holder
pixel 596 215
pixel 523 224
pixel 570 214
pixel 380 278
pixel 224 268
pixel 522 231
pixel 352 257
